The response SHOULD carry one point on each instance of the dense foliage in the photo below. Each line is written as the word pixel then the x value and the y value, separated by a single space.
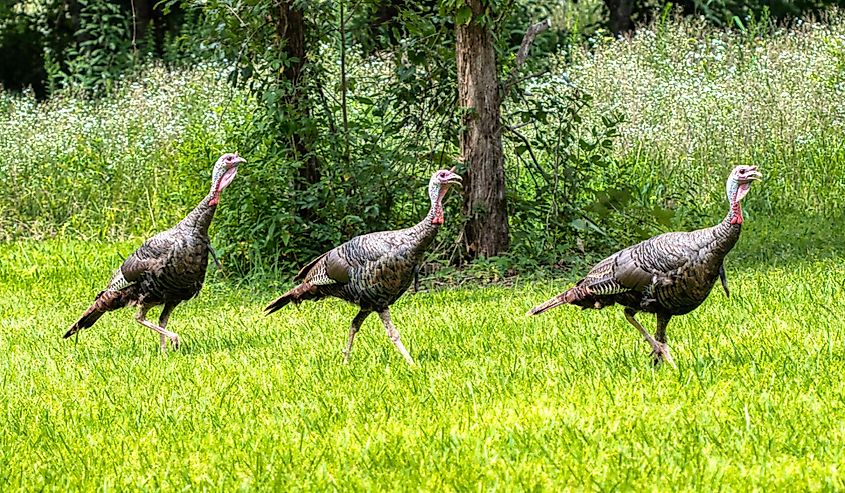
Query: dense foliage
pixel 49 44
pixel 342 139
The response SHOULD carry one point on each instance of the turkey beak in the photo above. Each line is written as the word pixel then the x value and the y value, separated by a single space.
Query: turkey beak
pixel 755 175
pixel 238 160
pixel 454 178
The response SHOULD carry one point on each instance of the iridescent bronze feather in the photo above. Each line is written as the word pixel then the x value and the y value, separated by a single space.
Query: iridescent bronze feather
pixel 372 271
pixel 669 274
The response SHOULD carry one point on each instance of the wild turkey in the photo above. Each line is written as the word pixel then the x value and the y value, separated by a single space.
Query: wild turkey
pixel 373 270
pixel 168 268
pixel 669 274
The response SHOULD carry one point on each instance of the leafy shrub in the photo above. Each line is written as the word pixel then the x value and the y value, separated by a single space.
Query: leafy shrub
pixel 104 52
pixel 568 190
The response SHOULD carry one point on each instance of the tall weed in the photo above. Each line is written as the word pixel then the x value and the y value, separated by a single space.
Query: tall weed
pixel 127 163
pixel 697 101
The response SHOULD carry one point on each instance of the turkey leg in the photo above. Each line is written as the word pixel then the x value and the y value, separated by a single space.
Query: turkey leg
pixel 659 349
pixel 660 335
pixel 353 329
pixel 393 334
pixel 141 318
pixel 162 322
pixel 724 278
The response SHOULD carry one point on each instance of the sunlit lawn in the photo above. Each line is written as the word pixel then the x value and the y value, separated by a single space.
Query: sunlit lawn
pixel 498 400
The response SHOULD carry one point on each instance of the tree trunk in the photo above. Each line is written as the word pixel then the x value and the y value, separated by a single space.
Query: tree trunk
pixel 485 204
pixel 620 16
pixel 75 12
pixel 143 14
pixel 290 27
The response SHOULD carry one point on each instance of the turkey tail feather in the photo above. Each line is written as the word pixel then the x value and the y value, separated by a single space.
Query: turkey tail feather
pixel 548 305
pixel 304 291
pixel 106 301
pixel 572 295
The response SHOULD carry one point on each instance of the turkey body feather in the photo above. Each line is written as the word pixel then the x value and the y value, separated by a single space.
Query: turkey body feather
pixel 669 274
pixel 372 270
pixel 171 266
pixel 166 269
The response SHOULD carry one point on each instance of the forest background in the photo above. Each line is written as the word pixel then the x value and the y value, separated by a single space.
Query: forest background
pixel 598 134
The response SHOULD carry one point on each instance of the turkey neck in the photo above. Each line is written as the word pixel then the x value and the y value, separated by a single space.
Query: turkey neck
pixel 727 232
pixel 199 219
pixel 425 230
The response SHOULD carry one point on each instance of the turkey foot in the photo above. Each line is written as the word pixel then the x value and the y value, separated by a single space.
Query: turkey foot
pixel 659 349
pixel 175 342
pixel 660 352
pixel 172 337
pixel 164 334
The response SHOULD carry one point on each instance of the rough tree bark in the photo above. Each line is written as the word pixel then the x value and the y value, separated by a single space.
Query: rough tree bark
pixel 620 16
pixel 290 27
pixel 486 231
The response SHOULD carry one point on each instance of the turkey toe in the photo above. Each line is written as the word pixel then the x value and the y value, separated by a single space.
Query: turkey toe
pixel 661 353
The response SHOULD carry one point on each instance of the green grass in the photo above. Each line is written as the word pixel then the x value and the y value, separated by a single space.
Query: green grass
pixel 498 401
